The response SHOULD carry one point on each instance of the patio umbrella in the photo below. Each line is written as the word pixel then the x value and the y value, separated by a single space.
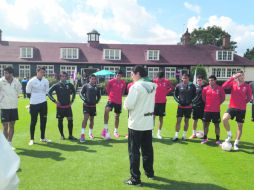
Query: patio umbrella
pixel 104 73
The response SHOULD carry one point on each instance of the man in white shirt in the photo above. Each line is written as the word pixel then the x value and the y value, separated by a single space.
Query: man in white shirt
pixel 37 89
pixel 140 104
pixel 10 88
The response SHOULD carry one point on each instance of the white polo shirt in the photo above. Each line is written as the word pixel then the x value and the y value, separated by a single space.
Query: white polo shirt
pixel 9 93
pixel 38 90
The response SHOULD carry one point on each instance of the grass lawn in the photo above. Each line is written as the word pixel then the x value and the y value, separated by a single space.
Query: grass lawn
pixel 100 164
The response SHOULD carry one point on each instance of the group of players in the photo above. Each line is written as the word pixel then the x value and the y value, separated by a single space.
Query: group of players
pixel 200 101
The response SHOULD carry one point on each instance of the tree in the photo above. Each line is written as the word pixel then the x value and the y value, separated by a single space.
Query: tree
pixel 210 35
pixel 249 54
pixel 200 71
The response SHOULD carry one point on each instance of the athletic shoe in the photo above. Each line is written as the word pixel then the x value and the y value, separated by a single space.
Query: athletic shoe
pixel 183 138
pixel 204 141
pixel 62 138
pixel 150 176
pixel 31 142
pixel 218 142
pixel 236 147
pixel 91 136
pixel 45 140
pixel 175 139
pixel 133 182
pixel 116 135
pixel 82 138
pixel 228 139
pixel 159 136
pixel 72 138
pixel 103 133
pixel 193 136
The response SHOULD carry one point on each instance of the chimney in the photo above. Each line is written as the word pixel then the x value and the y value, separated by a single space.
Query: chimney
pixel 226 41
pixel 0 35
pixel 93 38
pixel 186 38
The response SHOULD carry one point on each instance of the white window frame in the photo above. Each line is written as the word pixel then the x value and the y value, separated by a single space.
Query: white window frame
pixel 113 69
pixel 153 55
pixel 223 55
pixel 170 72
pixel 50 72
pixel 69 69
pixel 2 67
pixel 24 71
pixel 69 53
pixel 128 71
pixel 26 52
pixel 224 72
pixel 112 54
pixel 153 71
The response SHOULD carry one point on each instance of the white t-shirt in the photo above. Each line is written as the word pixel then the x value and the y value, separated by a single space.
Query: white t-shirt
pixel 38 90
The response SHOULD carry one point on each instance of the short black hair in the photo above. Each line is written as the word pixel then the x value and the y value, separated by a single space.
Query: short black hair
pixel 240 71
pixel 119 72
pixel 212 77
pixel 9 70
pixel 92 75
pixel 160 74
pixel 139 69
pixel 40 68
pixel 186 74
pixel 200 77
pixel 63 73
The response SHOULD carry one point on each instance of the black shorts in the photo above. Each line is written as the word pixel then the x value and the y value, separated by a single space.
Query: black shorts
pixel 198 113
pixel 8 115
pixel 239 114
pixel 41 108
pixel 160 109
pixel 212 116
pixel 91 110
pixel 117 107
pixel 63 112
pixel 186 112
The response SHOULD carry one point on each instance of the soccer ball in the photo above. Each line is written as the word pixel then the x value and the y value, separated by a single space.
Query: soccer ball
pixel 200 134
pixel 107 136
pixel 226 146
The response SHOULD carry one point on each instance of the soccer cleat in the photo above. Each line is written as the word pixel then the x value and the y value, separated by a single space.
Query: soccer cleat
pixel 193 136
pixel 204 141
pixel 82 138
pixel 183 138
pixel 116 135
pixel 72 138
pixel 133 182
pixel 103 133
pixel 175 139
pixel 159 136
pixel 31 142
pixel 62 138
pixel 45 140
pixel 236 147
pixel 218 142
pixel 91 136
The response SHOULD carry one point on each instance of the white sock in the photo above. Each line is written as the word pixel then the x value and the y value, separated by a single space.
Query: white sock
pixel 106 126
pixel 159 131
pixel 184 133
pixel 115 131
pixel 90 131
pixel 194 132
pixel 176 135
pixel 82 130
pixel 236 141
pixel 229 133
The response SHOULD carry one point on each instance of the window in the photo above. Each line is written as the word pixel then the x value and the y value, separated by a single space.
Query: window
pixel 152 72
pixel 24 71
pixel 112 54
pixel 128 71
pixel 113 69
pixel 69 69
pixel 26 52
pixel 170 72
pixel 49 70
pixel 222 72
pixel 153 55
pixel 224 55
pixel 2 66
pixel 69 53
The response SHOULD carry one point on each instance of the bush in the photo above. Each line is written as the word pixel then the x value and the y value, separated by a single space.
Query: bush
pixel 52 80
pixel 200 71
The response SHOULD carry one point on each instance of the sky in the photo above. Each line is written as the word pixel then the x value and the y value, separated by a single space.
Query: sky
pixel 124 21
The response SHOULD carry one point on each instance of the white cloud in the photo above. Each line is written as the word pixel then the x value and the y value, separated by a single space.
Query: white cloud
pixel 193 23
pixel 191 7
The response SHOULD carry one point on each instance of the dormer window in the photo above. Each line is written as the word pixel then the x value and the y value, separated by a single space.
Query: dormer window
pixel 223 55
pixel 153 55
pixel 112 54
pixel 26 52
pixel 69 53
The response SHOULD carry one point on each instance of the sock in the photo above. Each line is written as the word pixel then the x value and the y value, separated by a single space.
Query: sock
pixel 82 131
pixel 90 131
pixel 184 133
pixel 229 133
pixel 176 135
pixel 115 131
pixel 194 132
pixel 159 131
pixel 236 141
pixel 217 137
pixel 106 126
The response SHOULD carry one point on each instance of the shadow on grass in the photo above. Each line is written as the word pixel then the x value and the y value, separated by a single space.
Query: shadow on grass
pixel 180 185
pixel 68 147
pixel 40 154
pixel 169 141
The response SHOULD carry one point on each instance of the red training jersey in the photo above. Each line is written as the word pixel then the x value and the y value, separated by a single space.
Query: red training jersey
pixel 240 95
pixel 115 89
pixel 164 87
pixel 213 97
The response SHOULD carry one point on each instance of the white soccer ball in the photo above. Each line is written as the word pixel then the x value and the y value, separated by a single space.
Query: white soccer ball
pixel 107 136
pixel 226 146
pixel 200 134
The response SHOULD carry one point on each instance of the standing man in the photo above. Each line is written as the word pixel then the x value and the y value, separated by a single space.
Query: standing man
pixel 24 83
pixel 140 104
pixel 240 95
pixel 115 90
pixel 184 94
pixel 213 96
pixel 164 87
pixel 65 93
pixel 90 94
pixel 37 89
pixel 198 106
pixel 10 88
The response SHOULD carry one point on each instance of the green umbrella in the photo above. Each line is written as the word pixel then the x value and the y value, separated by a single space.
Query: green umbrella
pixel 104 73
